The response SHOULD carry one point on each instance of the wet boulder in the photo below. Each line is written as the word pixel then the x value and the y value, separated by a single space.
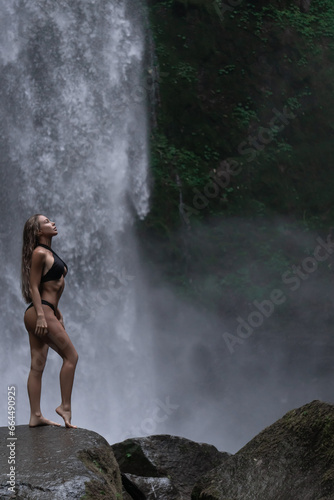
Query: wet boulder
pixel 291 459
pixel 163 466
pixel 55 463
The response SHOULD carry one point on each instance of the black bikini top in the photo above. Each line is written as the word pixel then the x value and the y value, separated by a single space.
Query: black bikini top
pixel 58 267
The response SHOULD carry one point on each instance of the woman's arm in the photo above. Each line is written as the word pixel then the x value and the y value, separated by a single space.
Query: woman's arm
pixel 37 264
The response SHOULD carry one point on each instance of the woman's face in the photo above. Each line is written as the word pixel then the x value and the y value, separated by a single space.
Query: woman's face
pixel 46 227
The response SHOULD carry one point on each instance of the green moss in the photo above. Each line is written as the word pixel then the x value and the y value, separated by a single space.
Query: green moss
pixel 291 458
pixel 103 464
pixel 310 428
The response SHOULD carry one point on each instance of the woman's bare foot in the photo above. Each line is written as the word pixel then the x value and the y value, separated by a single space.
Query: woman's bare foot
pixel 37 420
pixel 66 415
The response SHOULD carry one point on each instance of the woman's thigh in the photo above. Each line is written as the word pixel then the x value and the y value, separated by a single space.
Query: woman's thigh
pixel 57 337
pixel 39 351
pixel 38 346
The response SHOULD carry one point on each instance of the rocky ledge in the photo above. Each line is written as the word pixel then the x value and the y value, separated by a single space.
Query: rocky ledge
pixel 293 459
pixel 55 463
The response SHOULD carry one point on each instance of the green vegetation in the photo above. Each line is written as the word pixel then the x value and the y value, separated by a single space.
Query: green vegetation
pixel 253 86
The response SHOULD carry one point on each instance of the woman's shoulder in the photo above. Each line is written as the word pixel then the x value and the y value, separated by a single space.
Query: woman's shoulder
pixel 40 250
pixel 39 254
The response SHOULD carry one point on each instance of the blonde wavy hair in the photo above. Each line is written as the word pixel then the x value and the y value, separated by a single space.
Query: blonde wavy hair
pixel 30 241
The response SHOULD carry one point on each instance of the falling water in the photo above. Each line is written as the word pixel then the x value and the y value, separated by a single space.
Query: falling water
pixel 74 148
pixel 73 145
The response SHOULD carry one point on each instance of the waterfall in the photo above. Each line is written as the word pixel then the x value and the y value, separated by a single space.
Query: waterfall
pixel 74 148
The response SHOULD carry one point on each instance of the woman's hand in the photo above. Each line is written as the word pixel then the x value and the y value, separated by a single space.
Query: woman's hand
pixel 41 326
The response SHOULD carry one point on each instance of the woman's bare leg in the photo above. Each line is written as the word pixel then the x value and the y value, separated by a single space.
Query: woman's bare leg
pixel 39 352
pixel 58 339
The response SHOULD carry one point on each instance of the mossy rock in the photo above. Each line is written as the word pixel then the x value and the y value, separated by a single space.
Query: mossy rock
pixel 293 458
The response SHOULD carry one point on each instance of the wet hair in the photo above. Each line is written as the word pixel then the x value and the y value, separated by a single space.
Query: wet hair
pixel 30 242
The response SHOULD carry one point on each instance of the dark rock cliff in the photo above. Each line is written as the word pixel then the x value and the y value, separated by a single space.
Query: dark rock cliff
pixel 226 71
pixel 249 83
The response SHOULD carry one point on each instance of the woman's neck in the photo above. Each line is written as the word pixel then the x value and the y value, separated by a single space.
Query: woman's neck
pixel 45 241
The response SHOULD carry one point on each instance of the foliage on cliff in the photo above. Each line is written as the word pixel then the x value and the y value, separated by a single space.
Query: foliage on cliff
pixel 251 84
pixel 244 115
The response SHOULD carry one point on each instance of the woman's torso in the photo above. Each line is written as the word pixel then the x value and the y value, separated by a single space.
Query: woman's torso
pixel 53 273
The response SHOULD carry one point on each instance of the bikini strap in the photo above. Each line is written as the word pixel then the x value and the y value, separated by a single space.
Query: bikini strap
pixel 54 253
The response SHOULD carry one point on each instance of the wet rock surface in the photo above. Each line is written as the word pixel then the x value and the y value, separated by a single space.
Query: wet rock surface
pixel 163 466
pixel 55 463
pixel 291 459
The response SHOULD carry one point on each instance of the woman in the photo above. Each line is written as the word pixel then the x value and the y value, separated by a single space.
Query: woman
pixel 43 274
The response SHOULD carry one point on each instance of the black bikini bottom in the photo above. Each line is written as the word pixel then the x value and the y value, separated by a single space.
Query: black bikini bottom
pixel 46 303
